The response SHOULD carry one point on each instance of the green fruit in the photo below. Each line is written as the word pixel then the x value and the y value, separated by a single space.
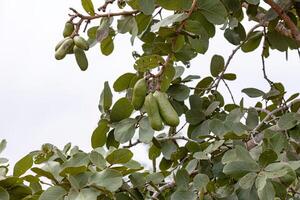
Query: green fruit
pixel 60 43
pixel 81 43
pixel 64 48
pixel 167 112
pixel 68 30
pixel 152 110
pixel 80 58
pixel 139 94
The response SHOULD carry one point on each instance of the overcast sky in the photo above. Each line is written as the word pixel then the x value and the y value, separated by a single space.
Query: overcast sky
pixel 47 101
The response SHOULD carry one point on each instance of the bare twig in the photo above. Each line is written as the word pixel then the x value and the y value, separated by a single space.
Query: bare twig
pixel 229 90
pixel 132 144
pixel 220 77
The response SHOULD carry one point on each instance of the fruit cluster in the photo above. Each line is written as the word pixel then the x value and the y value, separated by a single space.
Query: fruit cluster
pixel 72 44
pixel 156 105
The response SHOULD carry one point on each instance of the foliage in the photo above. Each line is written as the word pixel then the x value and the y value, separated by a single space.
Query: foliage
pixel 200 146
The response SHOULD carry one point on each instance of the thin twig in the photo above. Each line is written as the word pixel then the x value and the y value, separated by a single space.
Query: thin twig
pixel 177 138
pixel 220 77
pixel 132 144
pixel 229 90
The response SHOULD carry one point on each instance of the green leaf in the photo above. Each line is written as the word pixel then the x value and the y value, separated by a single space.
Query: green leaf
pixel 213 10
pixel 248 180
pixel 107 46
pixel 217 65
pixel 253 41
pixel 288 121
pixel 186 195
pixel 98 138
pixel 168 21
pixel 98 160
pixel 239 153
pixel 119 156
pixel 147 7
pixel 3 144
pixel 229 76
pixel 253 92
pixel 268 156
pixel 211 108
pixel 123 82
pixel 267 193
pixel 124 130
pixel 240 168
pixel 182 179
pixel 84 194
pixel 168 148
pixel 194 116
pixel 126 24
pixel 102 31
pixel 167 77
pixel 132 164
pixel 109 179
pixel 23 165
pixel 122 109
pixel 217 127
pixel 146 133
pixel 200 181
pixel 175 5
pixel 179 92
pixel 155 178
pixel 3 194
pixel 105 98
pixel 88 6
pixel 179 43
pixel 53 193
pixel 146 63
pixel 252 118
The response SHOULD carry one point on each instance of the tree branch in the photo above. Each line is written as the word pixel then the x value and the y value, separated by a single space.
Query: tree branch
pixel 256 139
pixel 282 14
pixel 216 83
pixel 162 189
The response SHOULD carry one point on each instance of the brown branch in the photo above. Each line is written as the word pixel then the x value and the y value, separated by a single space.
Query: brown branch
pixel 178 30
pixel 97 16
pixel 282 14
pixel 216 83
pixel 229 90
pixel 256 139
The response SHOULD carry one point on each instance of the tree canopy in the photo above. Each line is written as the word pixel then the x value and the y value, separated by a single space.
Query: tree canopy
pixel 199 146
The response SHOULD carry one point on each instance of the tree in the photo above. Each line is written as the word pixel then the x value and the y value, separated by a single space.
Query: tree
pixel 200 146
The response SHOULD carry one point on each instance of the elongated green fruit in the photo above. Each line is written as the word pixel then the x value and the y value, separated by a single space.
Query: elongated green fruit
pixel 60 43
pixel 152 110
pixel 81 43
pixel 64 48
pixel 139 94
pixel 80 58
pixel 68 30
pixel 167 112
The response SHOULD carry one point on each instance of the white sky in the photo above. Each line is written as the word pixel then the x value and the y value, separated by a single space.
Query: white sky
pixel 47 101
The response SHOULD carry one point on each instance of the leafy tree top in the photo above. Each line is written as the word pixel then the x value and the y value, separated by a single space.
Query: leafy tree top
pixel 200 146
